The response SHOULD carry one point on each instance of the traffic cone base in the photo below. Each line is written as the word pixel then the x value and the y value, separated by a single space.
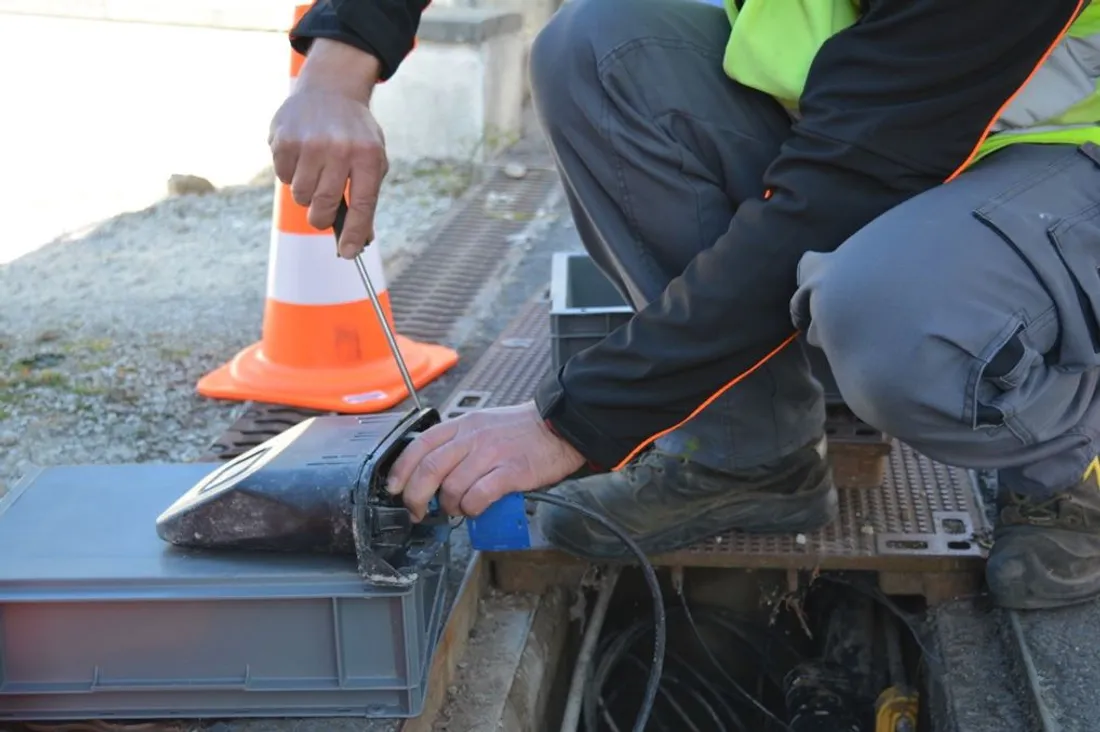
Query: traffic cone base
pixel 332 355
pixel 352 386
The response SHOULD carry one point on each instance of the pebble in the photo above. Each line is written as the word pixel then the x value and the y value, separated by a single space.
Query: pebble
pixel 515 170
pixel 185 185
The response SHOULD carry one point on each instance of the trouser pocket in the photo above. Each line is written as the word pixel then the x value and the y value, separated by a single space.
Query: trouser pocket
pixel 993 395
pixel 1052 220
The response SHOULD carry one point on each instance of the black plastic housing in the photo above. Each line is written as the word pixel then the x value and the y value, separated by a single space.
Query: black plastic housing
pixel 317 487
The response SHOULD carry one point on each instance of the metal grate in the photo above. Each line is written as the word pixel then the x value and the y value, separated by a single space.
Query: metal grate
pixel 466 251
pixel 923 517
pixel 257 424
pixel 511 368
pixel 923 510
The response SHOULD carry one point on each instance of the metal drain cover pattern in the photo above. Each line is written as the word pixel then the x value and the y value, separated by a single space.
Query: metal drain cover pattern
pixel 923 517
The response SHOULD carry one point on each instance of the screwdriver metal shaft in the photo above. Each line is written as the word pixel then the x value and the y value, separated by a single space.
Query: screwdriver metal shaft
pixel 364 275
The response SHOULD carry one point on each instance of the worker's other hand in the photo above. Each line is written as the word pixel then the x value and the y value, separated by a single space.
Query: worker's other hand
pixel 478 458
pixel 324 135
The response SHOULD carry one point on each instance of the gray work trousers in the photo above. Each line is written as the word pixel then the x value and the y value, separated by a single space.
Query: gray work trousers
pixel 963 322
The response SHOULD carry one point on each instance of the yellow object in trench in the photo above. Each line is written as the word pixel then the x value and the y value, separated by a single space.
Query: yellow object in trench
pixel 896 710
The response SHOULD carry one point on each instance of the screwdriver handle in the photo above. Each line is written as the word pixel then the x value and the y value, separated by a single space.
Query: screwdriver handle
pixel 338 222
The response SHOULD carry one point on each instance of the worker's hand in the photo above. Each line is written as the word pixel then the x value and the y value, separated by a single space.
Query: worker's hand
pixel 324 135
pixel 478 458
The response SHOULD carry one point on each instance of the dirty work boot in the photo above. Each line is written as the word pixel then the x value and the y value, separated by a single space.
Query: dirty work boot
pixel 665 503
pixel 1046 552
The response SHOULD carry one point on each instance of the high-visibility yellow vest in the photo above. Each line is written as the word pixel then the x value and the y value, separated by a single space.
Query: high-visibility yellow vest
pixel 772 45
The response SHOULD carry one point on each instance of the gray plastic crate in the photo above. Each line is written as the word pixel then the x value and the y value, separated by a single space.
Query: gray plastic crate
pixel 99 618
pixel 585 307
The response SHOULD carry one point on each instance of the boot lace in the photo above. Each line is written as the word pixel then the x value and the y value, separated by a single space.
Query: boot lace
pixel 1028 508
pixel 1060 510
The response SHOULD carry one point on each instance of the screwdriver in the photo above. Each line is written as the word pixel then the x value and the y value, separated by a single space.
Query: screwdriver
pixel 338 229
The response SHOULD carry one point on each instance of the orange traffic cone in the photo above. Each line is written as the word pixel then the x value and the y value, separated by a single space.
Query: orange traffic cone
pixel 322 346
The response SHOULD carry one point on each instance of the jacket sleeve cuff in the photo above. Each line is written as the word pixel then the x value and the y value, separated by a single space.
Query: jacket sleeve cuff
pixel 323 21
pixel 570 423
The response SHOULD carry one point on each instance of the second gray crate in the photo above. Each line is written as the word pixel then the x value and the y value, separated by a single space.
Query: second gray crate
pixel 585 307
pixel 99 618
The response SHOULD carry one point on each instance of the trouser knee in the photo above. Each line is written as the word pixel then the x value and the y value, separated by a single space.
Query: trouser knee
pixel 563 67
pixel 562 60
pixel 931 376
pixel 885 360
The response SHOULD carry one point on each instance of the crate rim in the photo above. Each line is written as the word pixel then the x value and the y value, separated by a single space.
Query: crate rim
pixel 559 278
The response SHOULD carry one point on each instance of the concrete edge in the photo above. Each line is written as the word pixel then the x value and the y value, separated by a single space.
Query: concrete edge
pixel 542 663
pixel 510 674
pixel 466 26
pixel 1017 640
pixel 451 645
pixel 974 682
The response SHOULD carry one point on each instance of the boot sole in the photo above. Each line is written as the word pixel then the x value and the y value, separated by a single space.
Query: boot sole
pixel 804 512
pixel 1034 588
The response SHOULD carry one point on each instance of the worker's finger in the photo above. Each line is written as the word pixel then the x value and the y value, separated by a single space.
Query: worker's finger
pixel 284 157
pixel 430 474
pixel 307 172
pixel 330 191
pixel 411 456
pixel 479 462
pixel 488 489
pixel 368 168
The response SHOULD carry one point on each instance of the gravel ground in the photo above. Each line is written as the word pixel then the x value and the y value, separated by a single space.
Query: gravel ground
pixel 104 335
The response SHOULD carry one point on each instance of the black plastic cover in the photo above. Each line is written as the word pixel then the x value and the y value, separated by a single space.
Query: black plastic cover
pixel 317 487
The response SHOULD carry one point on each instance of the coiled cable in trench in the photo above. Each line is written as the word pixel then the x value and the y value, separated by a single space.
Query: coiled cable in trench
pixel 659 620
pixel 694 696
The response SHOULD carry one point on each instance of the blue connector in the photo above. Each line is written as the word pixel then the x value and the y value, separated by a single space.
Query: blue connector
pixel 504 526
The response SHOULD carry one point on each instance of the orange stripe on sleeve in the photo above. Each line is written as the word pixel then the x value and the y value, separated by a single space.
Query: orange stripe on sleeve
pixel 732 382
pixel 1001 110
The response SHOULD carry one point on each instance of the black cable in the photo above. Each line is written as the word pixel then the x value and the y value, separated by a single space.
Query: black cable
pixel 890 606
pixel 668 696
pixel 788 659
pixel 659 618
pixel 605 705
pixel 610 656
pixel 615 648
pixel 710 688
pixel 717 664
pixel 690 691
